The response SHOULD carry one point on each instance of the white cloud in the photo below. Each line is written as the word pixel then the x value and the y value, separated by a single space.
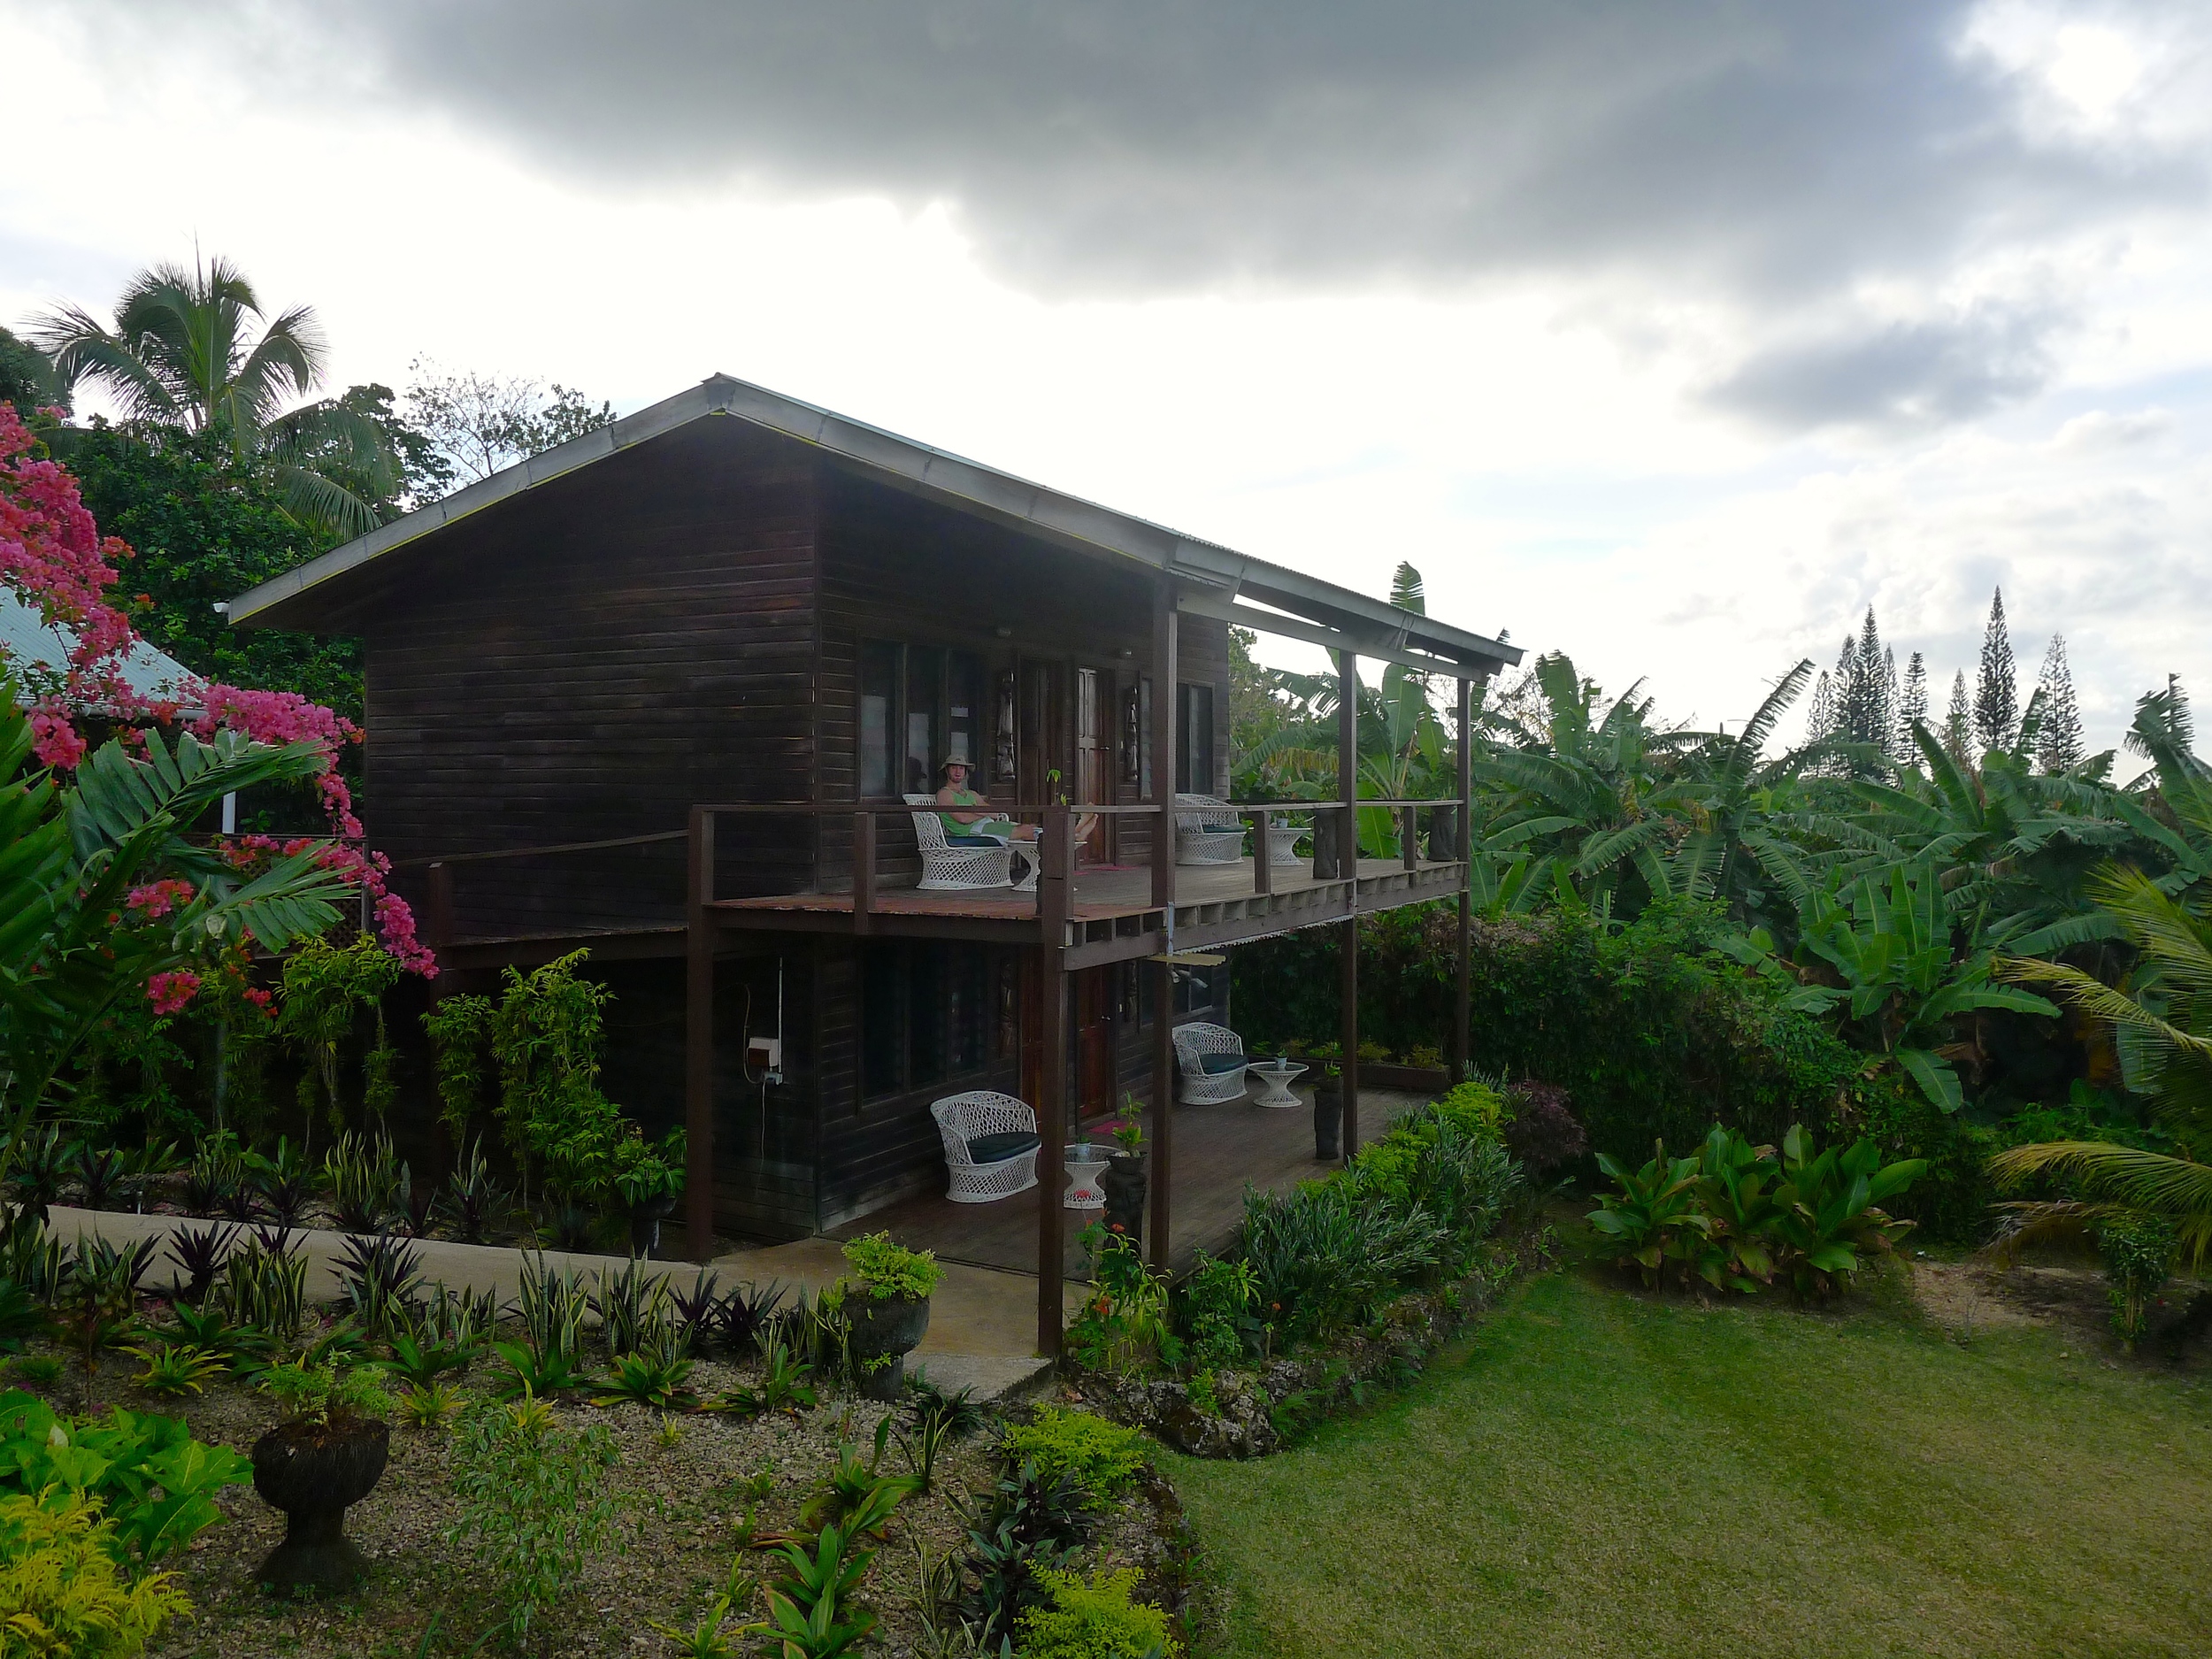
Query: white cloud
pixel 1553 444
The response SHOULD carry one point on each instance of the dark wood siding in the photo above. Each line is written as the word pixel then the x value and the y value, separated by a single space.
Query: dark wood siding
pixel 607 651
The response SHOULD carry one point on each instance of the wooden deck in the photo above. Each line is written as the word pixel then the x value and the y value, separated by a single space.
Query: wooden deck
pixel 1111 915
pixel 1218 1150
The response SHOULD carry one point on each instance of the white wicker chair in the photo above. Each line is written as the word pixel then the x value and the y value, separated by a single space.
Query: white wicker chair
pixel 1199 1087
pixel 947 866
pixel 1209 831
pixel 964 1118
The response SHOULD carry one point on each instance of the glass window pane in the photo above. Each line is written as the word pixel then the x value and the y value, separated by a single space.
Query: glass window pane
pixel 970 1011
pixel 878 674
pixel 881 990
pixel 927 980
pixel 964 723
pixel 925 699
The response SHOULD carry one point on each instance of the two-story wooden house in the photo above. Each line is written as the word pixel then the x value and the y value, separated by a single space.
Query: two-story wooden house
pixel 661 691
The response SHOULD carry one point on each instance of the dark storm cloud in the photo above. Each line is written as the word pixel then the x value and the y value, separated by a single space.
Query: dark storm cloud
pixel 1150 145
pixel 1764 158
pixel 1921 373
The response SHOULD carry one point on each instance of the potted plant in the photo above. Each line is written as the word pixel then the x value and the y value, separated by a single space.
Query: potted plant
pixel 1328 1113
pixel 1125 1176
pixel 885 1299
pixel 648 1178
pixel 326 1454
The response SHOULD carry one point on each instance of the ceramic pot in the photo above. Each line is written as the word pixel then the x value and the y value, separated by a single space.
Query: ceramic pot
pixel 1124 1183
pixel 645 1225
pixel 886 1328
pixel 1328 1122
pixel 312 1476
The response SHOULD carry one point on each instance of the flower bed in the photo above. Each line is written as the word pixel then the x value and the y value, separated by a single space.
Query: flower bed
pixel 1348 1283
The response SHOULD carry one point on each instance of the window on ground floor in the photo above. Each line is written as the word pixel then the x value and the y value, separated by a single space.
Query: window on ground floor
pixel 925 1014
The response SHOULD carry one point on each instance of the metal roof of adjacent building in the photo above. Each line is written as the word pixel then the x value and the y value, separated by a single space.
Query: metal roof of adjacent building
pixel 29 643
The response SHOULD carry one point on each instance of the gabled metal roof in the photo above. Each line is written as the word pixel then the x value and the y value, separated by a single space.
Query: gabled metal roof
pixel 1211 579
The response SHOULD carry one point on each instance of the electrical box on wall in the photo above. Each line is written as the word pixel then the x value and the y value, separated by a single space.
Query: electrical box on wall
pixel 764 1054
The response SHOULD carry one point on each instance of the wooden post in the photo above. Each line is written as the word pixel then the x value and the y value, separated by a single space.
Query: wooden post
pixel 1159 1234
pixel 1163 670
pixel 1348 792
pixel 440 918
pixel 1056 852
pixel 864 871
pixel 699 1040
pixel 1408 836
pixel 1263 855
pixel 1464 835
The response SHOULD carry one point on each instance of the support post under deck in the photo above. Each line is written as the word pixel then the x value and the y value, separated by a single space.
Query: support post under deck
pixel 699 1040
pixel 1465 851
pixel 1056 852
pixel 1163 796
pixel 1347 854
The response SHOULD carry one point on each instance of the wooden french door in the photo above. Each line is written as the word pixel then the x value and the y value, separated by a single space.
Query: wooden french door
pixel 1091 1038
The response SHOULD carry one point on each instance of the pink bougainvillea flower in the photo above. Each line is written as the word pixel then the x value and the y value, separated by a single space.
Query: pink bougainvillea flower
pixel 169 993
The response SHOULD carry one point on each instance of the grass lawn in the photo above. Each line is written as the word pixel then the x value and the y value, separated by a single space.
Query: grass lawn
pixel 1595 1473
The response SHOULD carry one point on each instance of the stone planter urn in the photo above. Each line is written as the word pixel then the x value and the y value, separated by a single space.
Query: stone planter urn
pixel 645 1225
pixel 1328 1120
pixel 1124 1181
pixel 886 1328
pixel 313 1475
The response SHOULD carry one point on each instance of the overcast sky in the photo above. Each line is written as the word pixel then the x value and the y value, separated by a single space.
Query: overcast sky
pixel 1668 336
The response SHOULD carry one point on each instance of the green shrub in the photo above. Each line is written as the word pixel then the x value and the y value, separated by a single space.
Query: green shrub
pixel 1325 1256
pixel 153 1481
pixel 61 1590
pixel 1215 1310
pixel 1092 1620
pixel 1100 1456
pixel 1651 1033
pixel 2138 1257
pixel 891 1270
pixel 533 1508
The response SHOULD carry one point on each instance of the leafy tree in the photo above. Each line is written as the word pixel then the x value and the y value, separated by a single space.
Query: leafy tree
pixel 1996 694
pixel 183 350
pixel 1958 723
pixel 2059 742
pixel 27 379
pixel 207 526
pixel 477 424
pixel 1912 707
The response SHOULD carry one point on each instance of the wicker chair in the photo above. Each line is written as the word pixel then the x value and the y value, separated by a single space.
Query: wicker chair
pixel 946 866
pixel 1203 1084
pixel 991 1145
pixel 1209 831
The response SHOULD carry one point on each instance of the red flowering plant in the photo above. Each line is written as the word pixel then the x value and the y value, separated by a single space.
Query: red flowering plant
pixel 103 895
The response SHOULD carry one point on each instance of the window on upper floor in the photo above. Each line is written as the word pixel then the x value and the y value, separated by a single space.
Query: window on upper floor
pixel 1194 740
pixel 920 706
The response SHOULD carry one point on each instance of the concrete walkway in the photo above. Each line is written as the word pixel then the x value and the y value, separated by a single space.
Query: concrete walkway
pixel 982 1322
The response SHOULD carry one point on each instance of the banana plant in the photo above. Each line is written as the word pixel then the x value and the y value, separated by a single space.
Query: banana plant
pixel 1828 1218
pixel 1656 1216
pixel 71 854
pixel 1888 940
pixel 1739 1186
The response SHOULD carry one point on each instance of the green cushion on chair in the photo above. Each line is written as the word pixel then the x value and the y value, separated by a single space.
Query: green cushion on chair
pixel 999 1148
pixel 1215 1064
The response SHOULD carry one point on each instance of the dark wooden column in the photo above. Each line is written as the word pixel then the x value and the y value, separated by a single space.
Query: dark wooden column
pixel 1465 852
pixel 1159 1230
pixel 699 1040
pixel 1055 852
pixel 1348 851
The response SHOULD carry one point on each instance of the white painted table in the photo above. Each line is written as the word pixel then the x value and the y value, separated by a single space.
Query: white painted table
pixel 1275 1078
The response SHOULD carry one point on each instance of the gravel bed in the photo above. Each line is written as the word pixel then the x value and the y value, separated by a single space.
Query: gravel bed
pixel 678 1508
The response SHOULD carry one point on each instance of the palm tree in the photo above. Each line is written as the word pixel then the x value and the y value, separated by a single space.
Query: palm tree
pixel 2162 1017
pixel 184 350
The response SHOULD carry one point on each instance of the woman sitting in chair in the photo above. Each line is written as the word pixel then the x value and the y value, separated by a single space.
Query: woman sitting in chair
pixel 970 821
